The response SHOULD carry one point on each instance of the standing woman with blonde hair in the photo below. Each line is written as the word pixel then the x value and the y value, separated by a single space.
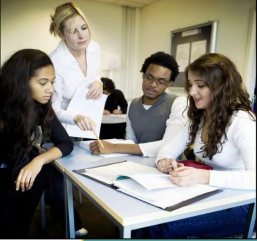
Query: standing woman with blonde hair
pixel 77 61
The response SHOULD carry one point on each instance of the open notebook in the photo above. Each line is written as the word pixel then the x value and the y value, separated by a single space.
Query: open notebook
pixel 85 145
pixel 147 184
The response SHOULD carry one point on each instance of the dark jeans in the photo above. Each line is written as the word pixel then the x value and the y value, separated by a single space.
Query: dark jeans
pixel 57 207
pixel 16 207
pixel 217 224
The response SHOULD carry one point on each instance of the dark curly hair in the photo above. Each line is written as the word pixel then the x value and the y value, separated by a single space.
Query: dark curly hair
pixel 164 60
pixel 228 96
pixel 108 84
pixel 19 113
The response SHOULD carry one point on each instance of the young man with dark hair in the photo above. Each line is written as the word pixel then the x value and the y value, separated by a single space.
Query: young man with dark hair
pixel 154 118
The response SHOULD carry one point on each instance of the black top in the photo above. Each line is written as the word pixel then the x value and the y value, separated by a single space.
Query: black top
pixel 115 99
pixel 59 137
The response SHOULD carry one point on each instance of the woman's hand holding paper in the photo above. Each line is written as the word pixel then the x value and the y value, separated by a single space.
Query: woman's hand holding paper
pixel 95 91
pixel 84 123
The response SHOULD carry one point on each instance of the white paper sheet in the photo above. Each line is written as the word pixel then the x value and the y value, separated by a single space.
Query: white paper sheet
pixel 182 56
pixel 85 145
pixel 163 197
pixel 149 177
pixel 87 107
pixel 198 49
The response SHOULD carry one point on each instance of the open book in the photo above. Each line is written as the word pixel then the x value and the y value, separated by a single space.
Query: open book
pixel 85 145
pixel 147 184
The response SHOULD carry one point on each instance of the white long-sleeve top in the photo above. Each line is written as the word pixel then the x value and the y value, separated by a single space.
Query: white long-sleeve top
pixel 176 121
pixel 69 77
pixel 235 166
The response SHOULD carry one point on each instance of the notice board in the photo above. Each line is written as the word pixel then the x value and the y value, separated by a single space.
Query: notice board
pixel 187 44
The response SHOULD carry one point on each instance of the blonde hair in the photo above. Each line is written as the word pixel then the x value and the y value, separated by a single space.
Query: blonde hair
pixel 62 13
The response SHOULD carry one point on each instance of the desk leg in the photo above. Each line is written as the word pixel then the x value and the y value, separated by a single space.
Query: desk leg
pixel 69 197
pixel 125 232
pixel 251 218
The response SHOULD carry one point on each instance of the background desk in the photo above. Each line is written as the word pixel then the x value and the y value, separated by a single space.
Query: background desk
pixel 138 214
pixel 113 126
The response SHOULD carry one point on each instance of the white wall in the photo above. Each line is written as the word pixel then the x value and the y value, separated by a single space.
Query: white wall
pixel 157 20
pixel 25 24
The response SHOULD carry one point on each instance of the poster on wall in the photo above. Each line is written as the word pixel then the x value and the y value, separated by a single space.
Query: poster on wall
pixel 189 43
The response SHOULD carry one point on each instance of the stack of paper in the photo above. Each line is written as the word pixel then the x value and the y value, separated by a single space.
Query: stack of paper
pixel 166 198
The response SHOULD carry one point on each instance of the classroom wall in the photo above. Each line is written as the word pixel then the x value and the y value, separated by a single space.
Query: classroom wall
pixel 25 24
pixel 157 20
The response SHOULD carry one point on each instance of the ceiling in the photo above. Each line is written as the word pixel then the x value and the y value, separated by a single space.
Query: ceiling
pixel 129 3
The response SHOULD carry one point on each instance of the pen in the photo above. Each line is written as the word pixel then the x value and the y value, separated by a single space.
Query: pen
pixel 97 137
pixel 168 167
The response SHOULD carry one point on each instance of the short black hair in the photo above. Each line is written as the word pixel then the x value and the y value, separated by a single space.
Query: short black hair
pixel 108 84
pixel 164 60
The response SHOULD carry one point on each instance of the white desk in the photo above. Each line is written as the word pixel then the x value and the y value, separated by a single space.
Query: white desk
pixel 138 214
pixel 114 119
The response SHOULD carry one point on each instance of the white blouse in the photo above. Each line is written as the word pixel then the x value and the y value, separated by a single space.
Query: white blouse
pixel 69 77
pixel 235 166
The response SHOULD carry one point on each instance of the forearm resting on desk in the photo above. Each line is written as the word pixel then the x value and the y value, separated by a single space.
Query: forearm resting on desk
pixel 117 112
pixel 107 112
pixel 29 172
pixel 109 148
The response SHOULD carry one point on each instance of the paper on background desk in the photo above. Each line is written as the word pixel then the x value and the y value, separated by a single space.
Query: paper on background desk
pixel 85 145
pixel 118 116
pixel 114 119
pixel 87 107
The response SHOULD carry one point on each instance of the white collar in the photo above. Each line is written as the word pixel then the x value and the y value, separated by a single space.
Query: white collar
pixel 68 58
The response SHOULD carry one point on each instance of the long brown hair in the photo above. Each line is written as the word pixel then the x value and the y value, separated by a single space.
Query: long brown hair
pixel 19 113
pixel 228 96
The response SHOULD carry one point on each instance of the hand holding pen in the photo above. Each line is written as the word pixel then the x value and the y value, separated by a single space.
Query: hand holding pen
pixel 97 137
pixel 166 165
pixel 182 175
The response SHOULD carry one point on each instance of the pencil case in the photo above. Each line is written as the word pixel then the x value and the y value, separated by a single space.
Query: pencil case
pixel 195 164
